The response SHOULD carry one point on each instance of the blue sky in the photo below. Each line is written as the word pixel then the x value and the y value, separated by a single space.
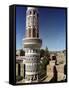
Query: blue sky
pixel 52 27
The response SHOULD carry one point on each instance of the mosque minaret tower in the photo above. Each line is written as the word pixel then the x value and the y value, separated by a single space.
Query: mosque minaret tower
pixel 32 45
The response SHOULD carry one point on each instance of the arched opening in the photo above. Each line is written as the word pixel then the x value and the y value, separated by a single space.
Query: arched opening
pixel 34 32
pixel 53 57
pixel 19 69
pixel 29 32
pixel 30 12
pixel 34 12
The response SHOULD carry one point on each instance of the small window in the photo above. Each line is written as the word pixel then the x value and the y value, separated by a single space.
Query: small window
pixel 29 32
pixel 37 15
pixel 34 32
pixel 30 12
pixel 34 12
pixel 53 57
pixel 37 34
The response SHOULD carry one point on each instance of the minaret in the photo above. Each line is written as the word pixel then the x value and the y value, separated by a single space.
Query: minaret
pixel 32 44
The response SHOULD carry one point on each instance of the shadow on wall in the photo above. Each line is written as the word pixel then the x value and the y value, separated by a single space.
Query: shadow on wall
pixel 54 79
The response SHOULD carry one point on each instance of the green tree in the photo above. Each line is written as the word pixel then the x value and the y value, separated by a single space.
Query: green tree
pixel 22 52
pixel 46 58
pixel 42 53
pixel 47 54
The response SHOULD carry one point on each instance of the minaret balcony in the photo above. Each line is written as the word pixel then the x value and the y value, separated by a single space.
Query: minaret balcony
pixel 32 43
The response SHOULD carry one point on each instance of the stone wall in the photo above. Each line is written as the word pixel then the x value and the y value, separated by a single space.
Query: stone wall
pixel 60 72
pixel 60 57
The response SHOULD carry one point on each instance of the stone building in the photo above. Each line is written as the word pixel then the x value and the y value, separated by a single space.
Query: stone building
pixel 58 60
pixel 60 56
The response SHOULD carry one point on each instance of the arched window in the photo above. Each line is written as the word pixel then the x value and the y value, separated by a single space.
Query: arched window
pixel 34 32
pixel 34 20
pixel 34 12
pixel 37 15
pixel 29 32
pixel 30 12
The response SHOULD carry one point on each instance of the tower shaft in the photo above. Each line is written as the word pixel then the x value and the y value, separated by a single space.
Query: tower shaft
pixel 32 44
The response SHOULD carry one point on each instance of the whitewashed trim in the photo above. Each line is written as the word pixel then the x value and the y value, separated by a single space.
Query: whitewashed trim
pixel 31 73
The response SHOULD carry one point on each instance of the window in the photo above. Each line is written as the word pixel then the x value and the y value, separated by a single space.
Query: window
pixel 29 32
pixel 34 20
pixel 19 69
pixel 37 15
pixel 53 57
pixel 37 34
pixel 30 12
pixel 34 12
pixel 34 32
